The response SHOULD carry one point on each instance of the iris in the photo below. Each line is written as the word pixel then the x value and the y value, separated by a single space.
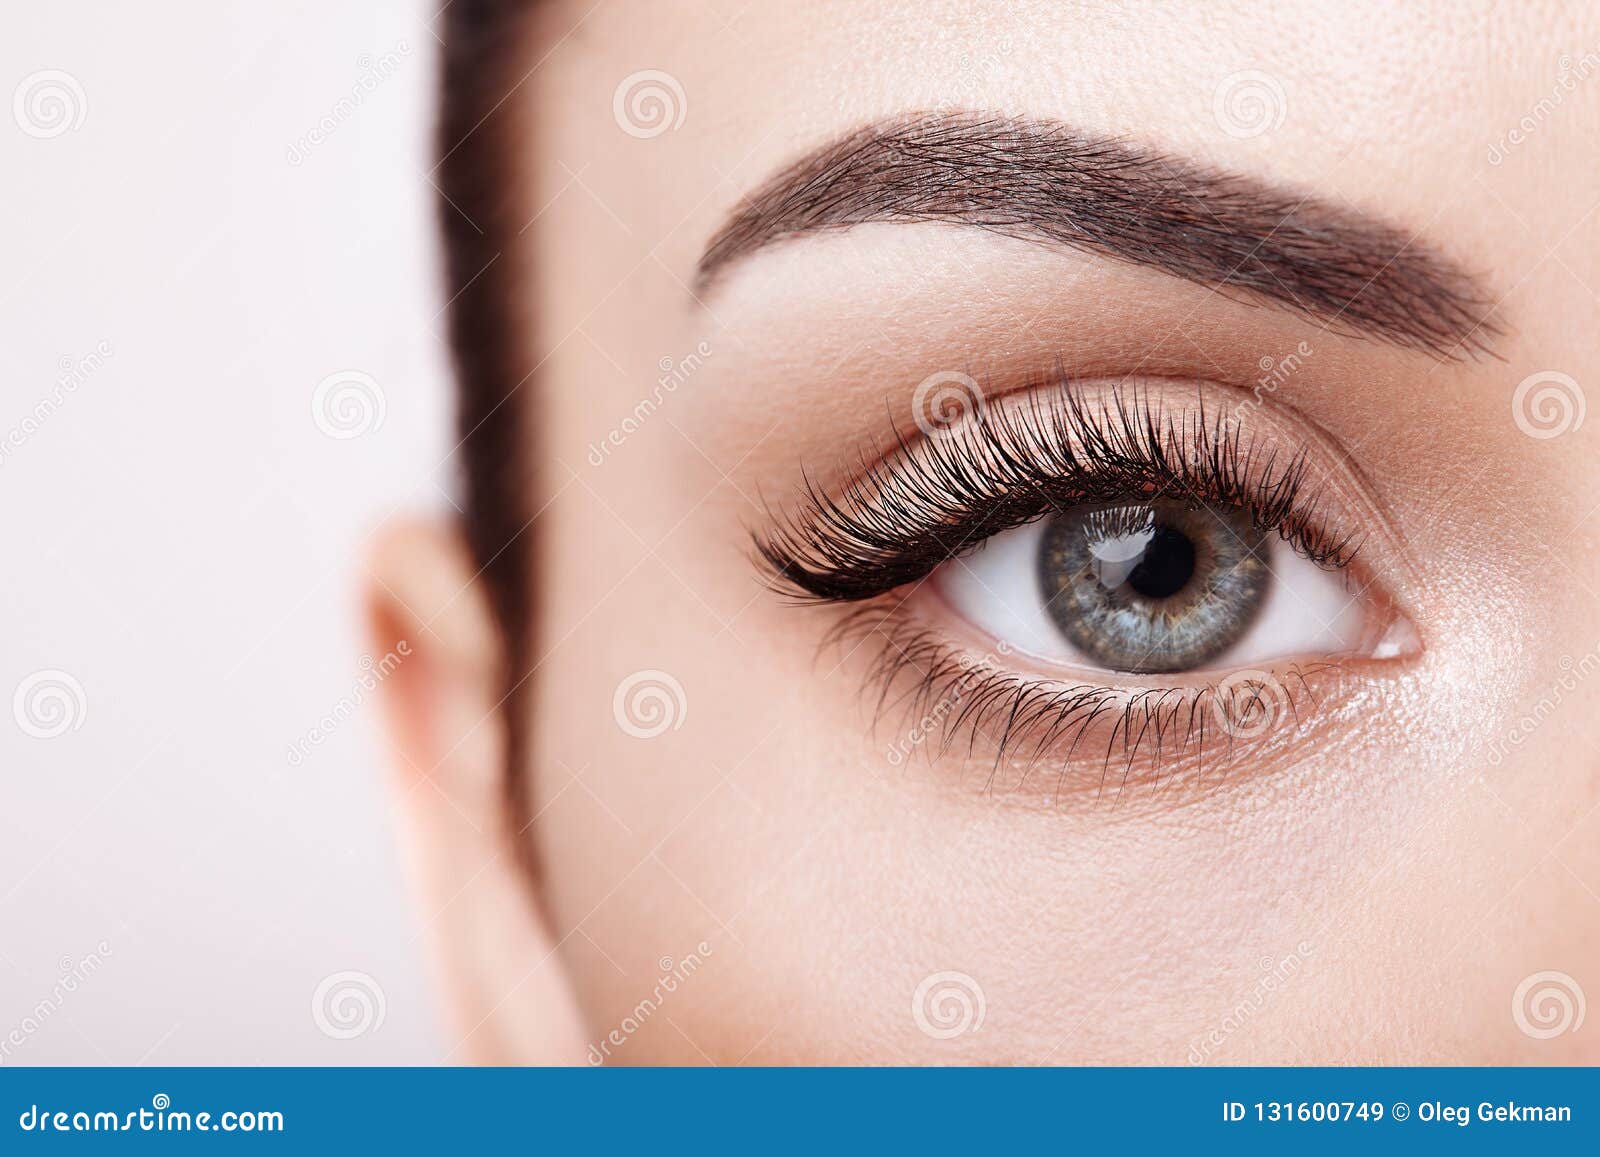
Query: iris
pixel 1158 586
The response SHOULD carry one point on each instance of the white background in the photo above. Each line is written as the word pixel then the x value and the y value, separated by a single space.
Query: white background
pixel 184 540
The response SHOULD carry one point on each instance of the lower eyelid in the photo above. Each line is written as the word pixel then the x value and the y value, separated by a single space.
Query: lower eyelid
pixel 944 700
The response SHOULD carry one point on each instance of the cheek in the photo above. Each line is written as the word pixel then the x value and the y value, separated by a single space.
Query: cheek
pixel 843 897
pixel 740 866
pixel 840 896
pixel 772 880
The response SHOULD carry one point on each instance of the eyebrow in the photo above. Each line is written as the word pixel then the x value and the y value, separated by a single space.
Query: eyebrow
pixel 1041 180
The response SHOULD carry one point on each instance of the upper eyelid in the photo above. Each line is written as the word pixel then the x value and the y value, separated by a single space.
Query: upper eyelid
pixel 834 535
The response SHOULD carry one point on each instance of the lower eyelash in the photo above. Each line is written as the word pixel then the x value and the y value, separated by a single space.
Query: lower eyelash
pixel 1099 736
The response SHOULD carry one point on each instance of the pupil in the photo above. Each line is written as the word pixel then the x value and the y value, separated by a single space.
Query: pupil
pixel 1166 565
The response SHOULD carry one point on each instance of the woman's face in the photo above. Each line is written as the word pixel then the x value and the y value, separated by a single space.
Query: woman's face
pixel 1103 566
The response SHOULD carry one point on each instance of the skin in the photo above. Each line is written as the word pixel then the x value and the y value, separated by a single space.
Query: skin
pixel 1415 865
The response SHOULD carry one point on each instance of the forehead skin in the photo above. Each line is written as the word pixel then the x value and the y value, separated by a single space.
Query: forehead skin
pixel 768 826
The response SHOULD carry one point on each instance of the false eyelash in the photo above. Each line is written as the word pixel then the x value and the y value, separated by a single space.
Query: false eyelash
pixel 1028 722
pixel 904 515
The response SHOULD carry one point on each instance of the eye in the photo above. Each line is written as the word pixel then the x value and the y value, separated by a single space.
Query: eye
pixel 1118 535
pixel 1153 587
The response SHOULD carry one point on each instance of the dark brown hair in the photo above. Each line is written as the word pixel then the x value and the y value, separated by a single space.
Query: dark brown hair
pixel 485 45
